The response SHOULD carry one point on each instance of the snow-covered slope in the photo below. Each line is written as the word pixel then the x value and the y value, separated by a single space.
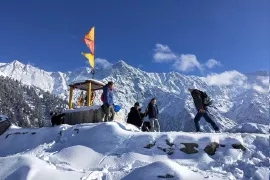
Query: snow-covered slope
pixel 53 82
pixel 106 151
pixel 238 98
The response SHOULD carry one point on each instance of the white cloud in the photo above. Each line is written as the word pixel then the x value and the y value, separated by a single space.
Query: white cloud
pixel 103 63
pixel 186 62
pixel 264 80
pixel 260 89
pixel 212 63
pixel 183 62
pixel 226 78
pixel 163 53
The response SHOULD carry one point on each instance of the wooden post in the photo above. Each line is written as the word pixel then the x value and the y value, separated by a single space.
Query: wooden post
pixel 70 97
pixel 89 94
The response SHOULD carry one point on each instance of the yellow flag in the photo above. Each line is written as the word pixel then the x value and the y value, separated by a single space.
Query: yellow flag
pixel 91 34
pixel 90 58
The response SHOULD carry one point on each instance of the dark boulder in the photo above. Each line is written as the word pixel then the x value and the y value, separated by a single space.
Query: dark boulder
pixel 190 148
pixel 211 148
pixel 239 146
pixel 4 125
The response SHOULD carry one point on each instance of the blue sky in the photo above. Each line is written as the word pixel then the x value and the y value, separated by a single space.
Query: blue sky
pixel 190 36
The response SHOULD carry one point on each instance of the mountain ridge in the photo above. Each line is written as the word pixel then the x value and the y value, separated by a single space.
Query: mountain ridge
pixel 228 89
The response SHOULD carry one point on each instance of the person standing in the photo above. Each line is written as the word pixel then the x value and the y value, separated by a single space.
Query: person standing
pixel 199 101
pixel 108 102
pixel 135 116
pixel 152 112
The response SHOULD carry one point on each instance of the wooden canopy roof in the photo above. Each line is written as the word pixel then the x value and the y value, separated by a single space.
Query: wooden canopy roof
pixel 83 85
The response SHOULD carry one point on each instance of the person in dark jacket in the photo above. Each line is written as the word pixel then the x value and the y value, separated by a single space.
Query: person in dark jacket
pixel 57 119
pixel 108 103
pixel 152 112
pixel 135 116
pixel 202 110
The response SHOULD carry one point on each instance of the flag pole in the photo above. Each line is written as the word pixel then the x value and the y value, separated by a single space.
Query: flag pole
pixel 93 68
pixel 93 73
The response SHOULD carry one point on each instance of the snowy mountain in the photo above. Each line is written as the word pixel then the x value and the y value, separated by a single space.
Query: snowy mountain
pixel 238 97
pixel 106 151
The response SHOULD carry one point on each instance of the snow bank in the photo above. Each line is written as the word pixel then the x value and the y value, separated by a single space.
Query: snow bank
pixel 116 150
pixel 251 128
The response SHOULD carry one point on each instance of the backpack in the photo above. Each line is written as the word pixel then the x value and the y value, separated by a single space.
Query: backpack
pixel 207 101
pixel 102 97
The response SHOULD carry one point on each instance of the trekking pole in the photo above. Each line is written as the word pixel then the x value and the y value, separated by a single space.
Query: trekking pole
pixel 141 126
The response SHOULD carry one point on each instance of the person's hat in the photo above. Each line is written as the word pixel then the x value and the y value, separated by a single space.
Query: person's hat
pixel 137 104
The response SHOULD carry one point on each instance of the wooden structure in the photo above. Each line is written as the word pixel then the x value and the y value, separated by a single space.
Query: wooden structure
pixel 89 113
pixel 88 85
pixel 92 114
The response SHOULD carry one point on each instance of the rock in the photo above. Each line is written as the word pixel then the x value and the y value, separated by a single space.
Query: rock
pixel 4 125
pixel 169 151
pixel 238 146
pixel 77 130
pixel 222 145
pixel 167 176
pixel 211 148
pixel 169 143
pixel 162 149
pixel 149 146
pixel 8 135
pixel 189 148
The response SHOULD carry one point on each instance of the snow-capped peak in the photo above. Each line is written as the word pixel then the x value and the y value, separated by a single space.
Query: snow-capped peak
pixel 121 64
pixel 234 102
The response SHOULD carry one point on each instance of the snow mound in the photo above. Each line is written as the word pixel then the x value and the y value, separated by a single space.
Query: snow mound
pixel 251 128
pixel 115 151
pixel 162 170
pixel 29 167
pixel 72 156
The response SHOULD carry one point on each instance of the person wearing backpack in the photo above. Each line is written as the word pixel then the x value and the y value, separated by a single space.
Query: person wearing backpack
pixel 201 101
pixel 108 103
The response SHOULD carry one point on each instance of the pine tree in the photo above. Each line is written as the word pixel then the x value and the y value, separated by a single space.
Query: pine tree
pixel 27 106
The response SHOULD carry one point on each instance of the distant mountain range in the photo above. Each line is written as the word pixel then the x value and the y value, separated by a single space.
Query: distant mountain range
pixel 238 98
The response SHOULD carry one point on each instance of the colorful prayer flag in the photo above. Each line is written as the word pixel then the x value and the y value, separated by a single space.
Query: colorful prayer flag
pixel 90 34
pixel 90 58
pixel 90 45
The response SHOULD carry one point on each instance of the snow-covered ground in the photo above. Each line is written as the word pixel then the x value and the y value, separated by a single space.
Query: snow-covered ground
pixel 115 150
